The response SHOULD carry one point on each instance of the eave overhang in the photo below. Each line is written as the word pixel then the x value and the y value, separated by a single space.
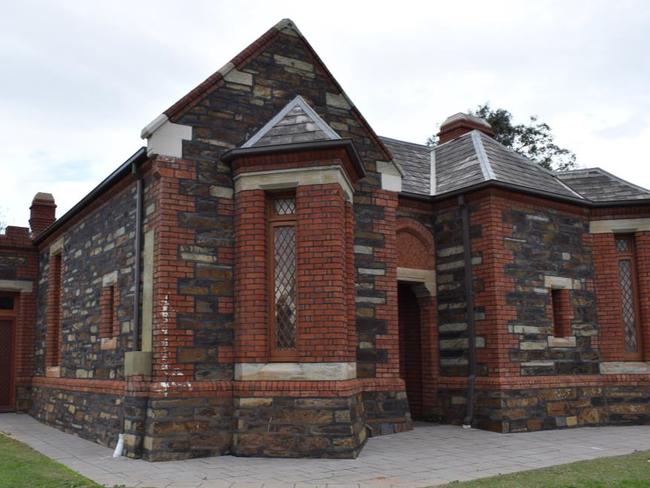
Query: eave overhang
pixel 345 144
pixel 126 168
pixel 528 191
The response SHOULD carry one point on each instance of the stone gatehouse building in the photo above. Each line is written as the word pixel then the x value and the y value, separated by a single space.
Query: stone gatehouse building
pixel 270 277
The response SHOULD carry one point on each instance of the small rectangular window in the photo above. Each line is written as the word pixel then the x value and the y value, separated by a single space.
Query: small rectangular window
pixel 282 267
pixel 107 314
pixel 561 309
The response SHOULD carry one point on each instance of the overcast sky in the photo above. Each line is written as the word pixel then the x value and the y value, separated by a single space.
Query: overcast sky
pixel 79 79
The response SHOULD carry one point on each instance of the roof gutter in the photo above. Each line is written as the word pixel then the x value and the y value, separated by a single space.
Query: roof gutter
pixel 125 169
pixel 528 191
pixel 139 225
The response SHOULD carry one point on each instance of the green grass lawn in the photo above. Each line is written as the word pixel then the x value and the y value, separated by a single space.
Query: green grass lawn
pixel 632 471
pixel 23 467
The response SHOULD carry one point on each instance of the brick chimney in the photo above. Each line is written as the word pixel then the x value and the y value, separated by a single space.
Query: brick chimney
pixel 459 124
pixel 42 212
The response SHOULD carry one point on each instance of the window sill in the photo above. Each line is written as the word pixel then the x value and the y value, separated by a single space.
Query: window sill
pixel 108 344
pixel 53 372
pixel 562 341
pixel 625 367
pixel 330 371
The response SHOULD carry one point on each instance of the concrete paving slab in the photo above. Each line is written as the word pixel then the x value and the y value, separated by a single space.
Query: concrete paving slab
pixel 427 456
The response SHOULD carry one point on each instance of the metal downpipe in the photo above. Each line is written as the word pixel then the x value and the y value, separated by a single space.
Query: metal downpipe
pixel 469 300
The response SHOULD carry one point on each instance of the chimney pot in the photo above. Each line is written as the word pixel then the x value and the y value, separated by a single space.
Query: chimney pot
pixel 460 124
pixel 42 212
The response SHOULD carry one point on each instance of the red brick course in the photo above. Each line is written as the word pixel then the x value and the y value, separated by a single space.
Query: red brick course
pixel 54 311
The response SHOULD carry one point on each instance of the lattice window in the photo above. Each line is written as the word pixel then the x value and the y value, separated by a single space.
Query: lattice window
pixel 622 244
pixel 627 305
pixel 282 241
pixel 284 206
pixel 629 294
pixel 285 279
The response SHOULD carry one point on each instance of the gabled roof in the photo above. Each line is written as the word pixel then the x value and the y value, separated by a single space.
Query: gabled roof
pixel 296 122
pixel 238 62
pixel 598 185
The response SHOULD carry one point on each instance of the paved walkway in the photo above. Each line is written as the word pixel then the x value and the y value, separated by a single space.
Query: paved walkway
pixel 429 455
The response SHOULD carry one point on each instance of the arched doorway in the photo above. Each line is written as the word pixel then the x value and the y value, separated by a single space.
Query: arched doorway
pixel 418 349
pixel 410 346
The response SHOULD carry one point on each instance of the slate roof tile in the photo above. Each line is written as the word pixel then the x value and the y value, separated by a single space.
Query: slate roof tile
pixel 598 185
pixel 415 160
pixel 296 122
pixel 476 157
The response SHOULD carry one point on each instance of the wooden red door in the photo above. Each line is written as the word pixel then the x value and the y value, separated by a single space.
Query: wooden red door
pixel 6 365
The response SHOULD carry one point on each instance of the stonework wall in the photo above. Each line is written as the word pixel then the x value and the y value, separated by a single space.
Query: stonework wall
pixel 387 412
pixel 549 243
pixel 188 426
pixel 99 246
pixel 596 402
pixel 92 415
pixel 376 281
pixel 193 279
pixel 299 427
pixel 87 396
pixel 451 296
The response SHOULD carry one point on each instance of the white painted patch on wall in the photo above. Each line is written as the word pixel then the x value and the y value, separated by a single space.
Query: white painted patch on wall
pixel 433 182
pixel 165 137
pixel 391 177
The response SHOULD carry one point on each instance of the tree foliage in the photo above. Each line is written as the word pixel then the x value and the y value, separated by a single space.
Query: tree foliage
pixel 534 140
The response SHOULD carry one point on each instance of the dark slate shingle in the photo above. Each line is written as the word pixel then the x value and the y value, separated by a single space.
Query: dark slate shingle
pixel 510 167
pixel 469 160
pixel 296 126
pixel 415 160
pixel 457 165
pixel 600 186
pixel 297 122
